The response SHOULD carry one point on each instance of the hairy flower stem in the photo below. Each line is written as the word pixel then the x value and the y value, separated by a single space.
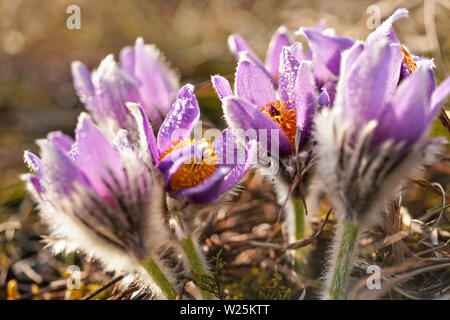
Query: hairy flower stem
pixel 194 256
pixel 341 264
pixel 300 253
pixel 159 278
pixel 188 243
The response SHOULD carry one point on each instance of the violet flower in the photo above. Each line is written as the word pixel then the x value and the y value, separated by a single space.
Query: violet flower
pixel 102 199
pixel 280 39
pixel 373 138
pixel 326 50
pixel 197 170
pixel 109 199
pixel 143 77
pixel 257 104
pixel 279 115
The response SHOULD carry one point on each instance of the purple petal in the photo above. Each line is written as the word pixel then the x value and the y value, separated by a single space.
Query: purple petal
pixel 385 30
pixel 305 99
pixel 404 72
pixel 240 169
pixel 33 162
pixel 297 51
pixel 326 52
pixel 439 96
pixel 222 86
pixel 237 44
pixel 254 84
pixel 98 159
pixel 394 70
pixel 61 140
pixel 279 40
pixel 240 48
pixel 181 119
pixel 159 83
pixel 348 59
pixel 170 163
pixel 350 56
pixel 387 126
pixel 242 115
pixel 83 84
pixel 59 173
pixel 114 88
pixel 369 82
pixel 289 66
pixel 127 60
pixel 228 151
pixel 148 145
pixel 36 184
pixel 324 98
pixel 330 88
pixel 410 104
pixel 320 27
pixel 428 63
pixel 206 191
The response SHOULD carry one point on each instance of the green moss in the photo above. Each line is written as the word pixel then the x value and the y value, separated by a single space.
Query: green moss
pixel 260 284
pixel 211 282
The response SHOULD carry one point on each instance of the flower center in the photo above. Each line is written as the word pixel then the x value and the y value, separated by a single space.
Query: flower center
pixel 284 117
pixel 197 170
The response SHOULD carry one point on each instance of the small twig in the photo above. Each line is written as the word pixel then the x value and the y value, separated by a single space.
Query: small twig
pixel 431 249
pixel 444 120
pixel 429 186
pixel 120 295
pixel 391 283
pixel 104 287
pixel 56 285
pixel 305 242
pixel 294 245
pixel 444 198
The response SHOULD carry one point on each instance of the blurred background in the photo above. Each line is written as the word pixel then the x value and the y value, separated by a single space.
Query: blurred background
pixel 36 94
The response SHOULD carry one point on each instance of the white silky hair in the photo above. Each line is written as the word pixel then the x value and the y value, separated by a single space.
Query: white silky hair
pixel 332 256
pixel 81 221
pixel 357 179
pixel 357 175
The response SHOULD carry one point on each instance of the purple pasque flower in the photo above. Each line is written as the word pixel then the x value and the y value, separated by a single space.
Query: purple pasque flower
pixel 99 197
pixel 280 39
pixel 143 77
pixel 198 170
pixel 326 50
pixel 256 104
pixel 387 32
pixel 376 133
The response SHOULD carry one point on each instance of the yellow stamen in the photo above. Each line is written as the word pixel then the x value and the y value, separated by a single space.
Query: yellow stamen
pixel 198 170
pixel 284 117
